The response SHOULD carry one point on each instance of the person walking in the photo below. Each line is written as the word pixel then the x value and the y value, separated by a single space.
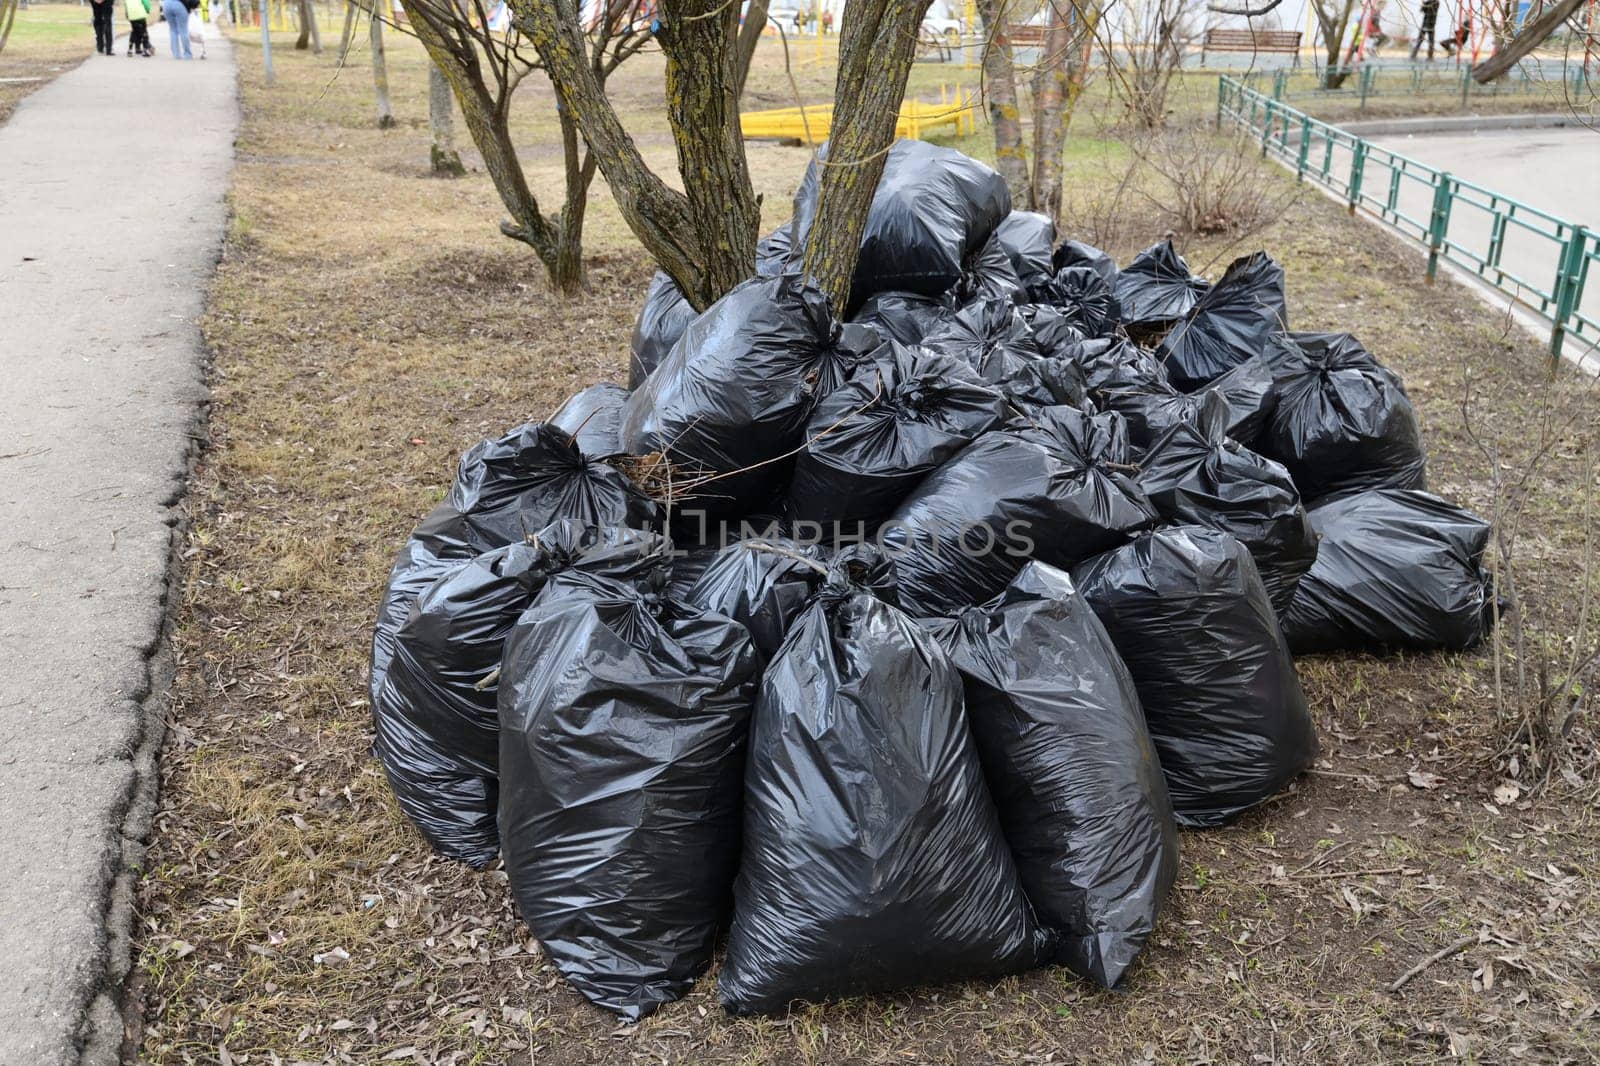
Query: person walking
pixel 1430 18
pixel 177 16
pixel 138 12
pixel 103 11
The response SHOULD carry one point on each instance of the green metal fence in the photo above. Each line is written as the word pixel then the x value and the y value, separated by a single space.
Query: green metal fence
pixel 1410 80
pixel 1537 259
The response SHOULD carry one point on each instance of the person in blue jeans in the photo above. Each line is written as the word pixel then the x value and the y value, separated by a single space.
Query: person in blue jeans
pixel 177 17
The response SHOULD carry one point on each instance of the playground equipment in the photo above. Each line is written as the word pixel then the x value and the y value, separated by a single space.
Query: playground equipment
pixel 954 113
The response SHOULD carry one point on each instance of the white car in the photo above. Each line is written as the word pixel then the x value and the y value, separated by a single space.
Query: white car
pixel 946 31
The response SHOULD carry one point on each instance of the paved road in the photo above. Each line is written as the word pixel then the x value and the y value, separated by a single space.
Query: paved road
pixel 111 218
pixel 1554 170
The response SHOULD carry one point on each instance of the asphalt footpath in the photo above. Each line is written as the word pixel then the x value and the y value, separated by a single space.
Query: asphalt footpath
pixel 112 184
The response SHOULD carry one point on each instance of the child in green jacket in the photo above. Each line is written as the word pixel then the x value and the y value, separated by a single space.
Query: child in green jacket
pixel 138 28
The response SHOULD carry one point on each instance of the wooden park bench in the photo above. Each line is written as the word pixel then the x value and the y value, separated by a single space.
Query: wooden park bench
pixel 1281 42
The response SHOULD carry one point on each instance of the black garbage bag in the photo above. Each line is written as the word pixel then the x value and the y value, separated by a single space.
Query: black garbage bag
pixel 623 724
pixel 1084 298
pixel 1076 253
pixel 774 252
pixel 906 317
pixel 1053 333
pixel 934 208
pixel 990 335
pixel 763 583
pixel 989 275
pixel 437 733
pixel 1397 568
pixel 1027 237
pixel 1111 364
pixel 504 490
pixel 1049 382
pixel 1154 407
pixel 1230 323
pixel 871 441
pixel 662 320
pixel 1156 288
pixel 1071 767
pixel 1189 615
pixel 1050 490
pixel 594 418
pixel 738 390
pixel 1343 422
pixel 1198 475
pixel 873 859
pixel 667 313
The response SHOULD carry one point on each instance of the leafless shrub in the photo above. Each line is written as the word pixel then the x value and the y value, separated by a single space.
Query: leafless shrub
pixel 1208 184
pixel 1546 642
pixel 1143 47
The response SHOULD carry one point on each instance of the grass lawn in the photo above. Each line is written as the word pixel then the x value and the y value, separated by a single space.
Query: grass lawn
pixel 47 39
pixel 369 324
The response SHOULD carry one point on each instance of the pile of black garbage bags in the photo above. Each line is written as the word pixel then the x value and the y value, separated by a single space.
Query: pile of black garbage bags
pixel 935 618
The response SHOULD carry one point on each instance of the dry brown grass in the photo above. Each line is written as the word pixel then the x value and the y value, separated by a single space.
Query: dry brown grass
pixel 47 40
pixel 368 325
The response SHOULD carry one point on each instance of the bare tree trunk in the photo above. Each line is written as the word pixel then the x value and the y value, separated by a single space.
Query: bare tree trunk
pixel 877 44
pixel 567 273
pixel 8 17
pixel 560 251
pixel 1533 34
pixel 310 9
pixel 755 20
pixel 703 109
pixel 1333 19
pixel 266 42
pixel 442 125
pixel 380 69
pixel 302 42
pixel 660 216
pixel 1050 115
pixel 1000 94
pixel 345 38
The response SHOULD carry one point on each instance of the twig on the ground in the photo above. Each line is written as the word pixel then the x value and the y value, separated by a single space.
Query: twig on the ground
pixel 1455 947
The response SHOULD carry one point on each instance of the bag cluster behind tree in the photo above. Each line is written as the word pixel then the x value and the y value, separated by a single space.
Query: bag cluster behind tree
pixel 437 731
pixel 1070 764
pixel 1192 621
pixel 624 720
pixel 873 858
pixel 1397 568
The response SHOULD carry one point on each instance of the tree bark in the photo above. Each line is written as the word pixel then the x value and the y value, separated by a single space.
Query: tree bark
pixel 697 37
pixel 349 33
pixel 1050 114
pixel 660 216
pixel 1333 19
pixel 266 42
pixel 302 42
pixel 1000 94
pixel 310 9
pixel 1533 34
pixel 380 68
pixel 8 18
pixel 755 21
pixel 877 44
pixel 445 159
